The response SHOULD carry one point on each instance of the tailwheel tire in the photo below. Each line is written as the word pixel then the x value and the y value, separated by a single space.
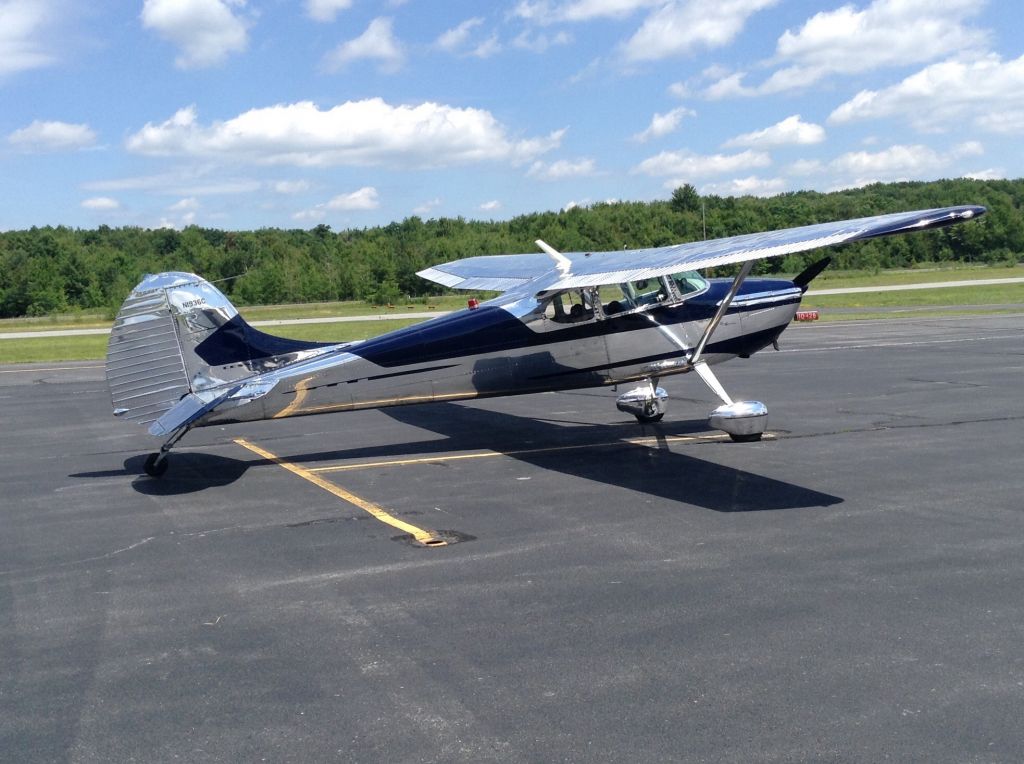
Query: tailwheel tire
pixel 154 465
pixel 644 419
pixel 752 438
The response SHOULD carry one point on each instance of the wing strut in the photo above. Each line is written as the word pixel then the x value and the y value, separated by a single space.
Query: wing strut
pixel 705 373
pixel 713 324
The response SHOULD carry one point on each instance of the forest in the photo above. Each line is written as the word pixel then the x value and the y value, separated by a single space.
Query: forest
pixel 60 269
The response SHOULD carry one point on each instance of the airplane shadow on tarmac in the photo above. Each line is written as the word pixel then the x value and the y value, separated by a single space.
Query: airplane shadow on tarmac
pixel 189 472
pixel 655 471
pixel 600 453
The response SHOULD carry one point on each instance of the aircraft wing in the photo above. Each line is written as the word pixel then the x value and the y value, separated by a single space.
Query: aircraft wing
pixel 507 272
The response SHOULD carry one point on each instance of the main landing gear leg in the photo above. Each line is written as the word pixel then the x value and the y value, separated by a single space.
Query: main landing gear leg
pixel 744 421
pixel 647 402
pixel 156 463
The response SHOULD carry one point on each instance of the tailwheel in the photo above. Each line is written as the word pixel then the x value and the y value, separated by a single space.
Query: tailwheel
pixel 156 464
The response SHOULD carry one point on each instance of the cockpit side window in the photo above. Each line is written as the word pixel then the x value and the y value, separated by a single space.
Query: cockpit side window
pixel 644 292
pixel 689 283
pixel 641 294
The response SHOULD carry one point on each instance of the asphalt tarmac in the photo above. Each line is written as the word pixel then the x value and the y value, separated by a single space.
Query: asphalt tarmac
pixel 851 589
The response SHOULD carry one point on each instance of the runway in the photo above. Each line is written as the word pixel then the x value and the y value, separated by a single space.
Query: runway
pixel 849 589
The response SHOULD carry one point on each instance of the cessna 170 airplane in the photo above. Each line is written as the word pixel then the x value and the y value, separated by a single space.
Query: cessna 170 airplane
pixel 180 356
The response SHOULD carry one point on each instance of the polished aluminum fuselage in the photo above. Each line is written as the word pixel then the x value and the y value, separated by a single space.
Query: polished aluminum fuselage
pixel 508 348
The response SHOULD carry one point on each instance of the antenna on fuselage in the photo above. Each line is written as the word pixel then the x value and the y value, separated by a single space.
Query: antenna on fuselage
pixel 562 262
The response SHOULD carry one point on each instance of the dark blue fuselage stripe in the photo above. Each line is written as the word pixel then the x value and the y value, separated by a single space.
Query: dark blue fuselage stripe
pixel 493 330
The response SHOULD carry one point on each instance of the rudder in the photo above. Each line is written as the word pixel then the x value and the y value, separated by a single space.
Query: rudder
pixel 151 359
pixel 177 334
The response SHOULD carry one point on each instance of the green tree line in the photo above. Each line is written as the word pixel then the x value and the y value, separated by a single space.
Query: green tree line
pixel 57 269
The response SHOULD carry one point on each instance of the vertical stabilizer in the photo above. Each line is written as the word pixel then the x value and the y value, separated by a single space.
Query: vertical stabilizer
pixel 177 334
pixel 151 357
pixel 145 369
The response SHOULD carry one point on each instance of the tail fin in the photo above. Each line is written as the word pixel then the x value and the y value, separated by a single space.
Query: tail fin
pixel 177 334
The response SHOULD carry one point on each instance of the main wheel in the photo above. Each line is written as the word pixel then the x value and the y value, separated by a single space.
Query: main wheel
pixel 751 438
pixel 154 465
pixel 649 419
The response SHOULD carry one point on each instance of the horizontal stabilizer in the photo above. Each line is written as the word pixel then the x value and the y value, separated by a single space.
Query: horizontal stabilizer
pixel 194 406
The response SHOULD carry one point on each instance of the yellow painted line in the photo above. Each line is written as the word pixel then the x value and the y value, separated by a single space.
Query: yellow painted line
pixel 427 538
pixel 644 441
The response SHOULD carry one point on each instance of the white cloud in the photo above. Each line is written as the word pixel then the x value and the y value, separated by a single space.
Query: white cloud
pixel 492 206
pixel 428 206
pixel 680 90
pixel 291 186
pixel 792 131
pixel 894 161
pixel 366 198
pixel 326 10
pixel 562 169
pixel 672 27
pixel 729 86
pixel 687 165
pixel 992 173
pixel 538 43
pixel 377 43
pixel 1006 122
pixel 682 27
pixel 750 186
pixel 987 93
pixel 101 204
pixel 663 124
pixel 370 132
pixel 453 39
pixel 544 12
pixel 189 218
pixel 886 33
pixel 849 40
pixel 23 34
pixel 184 205
pixel 41 136
pixel 182 182
pixel 489 47
pixel 897 163
pixel 206 31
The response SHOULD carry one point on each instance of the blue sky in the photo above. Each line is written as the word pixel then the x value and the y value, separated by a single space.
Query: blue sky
pixel 242 114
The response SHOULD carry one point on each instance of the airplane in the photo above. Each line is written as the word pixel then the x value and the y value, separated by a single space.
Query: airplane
pixel 180 356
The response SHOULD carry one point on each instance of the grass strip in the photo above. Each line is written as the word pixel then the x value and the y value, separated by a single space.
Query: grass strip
pixel 94 347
